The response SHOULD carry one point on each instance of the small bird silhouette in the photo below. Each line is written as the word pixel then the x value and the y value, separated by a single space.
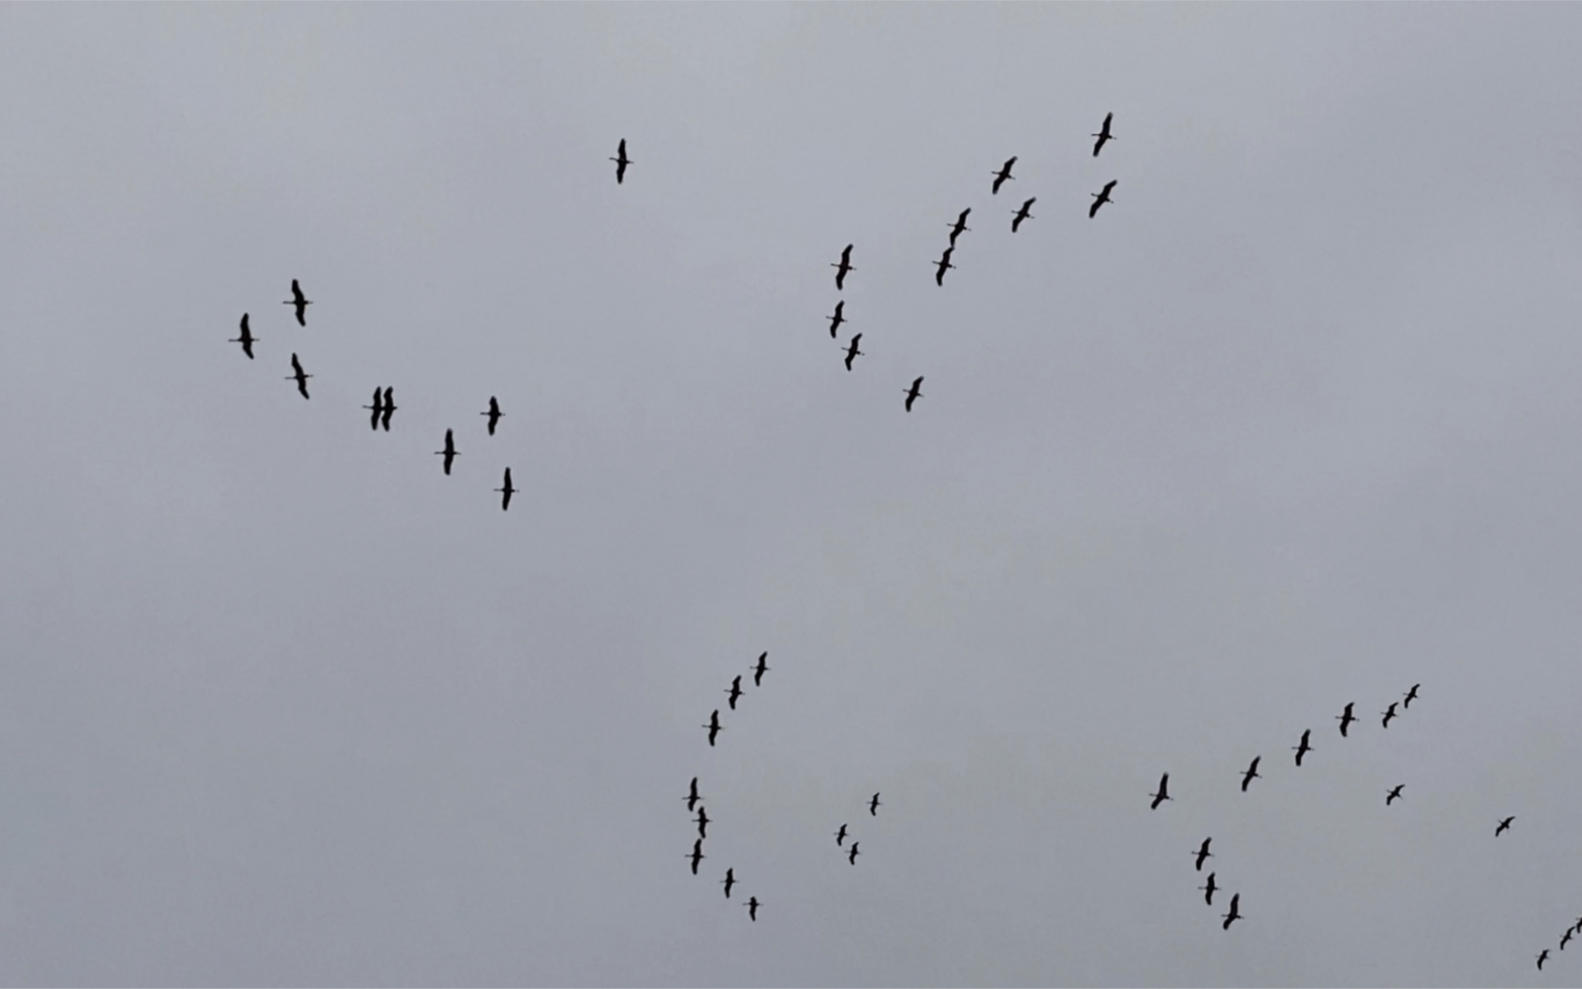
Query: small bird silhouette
pixel 728 882
pixel 873 806
pixel 943 265
pixel 837 319
pixel 960 225
pixel 735 691
pixel 300 376
pixel 752 908
pixel 842 268
pixel 1251 773
pixel 1304 748
pixel 1235 912
pixel 914 393
pixel 713 726
pixel 852 854
pixel 449 453
pixel 1003 175
pixel 1505 826
pixel 1389 713
pixel 1025 213
pixel 1100 198
pixel 693 796
pixel 760 670
pixel 1163 794
pixel 246 339
pixel 840 836
pixel 389 408
pixel 494 413
pixel 506 492
pixel 1411 695
pixel 702 821
pixel 1566 938
pixel 1394 794
pixel 852 353
pixel 376 408
pixel 697 855
pixel 1543 956
pixel 1345 718
pixel 1103 134
pixel 621 161
pixel 300 301
pixel 1203 854
pixel 1208 889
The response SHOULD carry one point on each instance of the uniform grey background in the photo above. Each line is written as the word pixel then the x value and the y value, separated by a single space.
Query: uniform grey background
pixel 1294 422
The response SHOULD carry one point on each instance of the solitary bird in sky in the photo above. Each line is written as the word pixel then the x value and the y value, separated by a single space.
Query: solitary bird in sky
pixel 1251 773
pixel 735 691
pixel 300 376
pixel 837 319
pixel 693 796
pixel 852 353
pixel 852 855
pixel 246 339
pixel 1003 174
pixel 1505 826
pixel 960 225
pixel 752 908
pixel 1235 912
pixel 621 161
pixel 840 836
pixel 1103 134
pixel 944 265
pixel 300 301
pixel 1304 748
pixel 1394 794
pixel 873 806
pixel 914 393
pixel 1389 713
pixel 1208 889
pixel 1203 854
pixel 449 453
pixel 376 408
pixel 702 821
pixel 389 408
pixel 697 855
pixel 1345 718
pixel 713 726
pixel 494 413
pixel 760 670
pixel 1411 695
pixel 728 882
pixel 506 492
pixel 1543 956
pixel 1100 198
pixel 1025 213
pixel 1163 794
pixel 842 268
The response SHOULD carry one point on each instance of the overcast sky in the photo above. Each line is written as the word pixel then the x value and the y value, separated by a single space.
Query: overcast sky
pixel 1295 421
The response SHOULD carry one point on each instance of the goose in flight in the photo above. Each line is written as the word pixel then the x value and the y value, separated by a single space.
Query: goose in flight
pixel 943 265
pixel 852 353
pixel 714 726
pixel 1394 794
pixel 494 413
pixel 1505 826
pixel 621 161
pixel 1251 773
pixel 840 836
pixel 760 669
pixel 1103 134
pixel 1025 213
pixel 506 492
pixel 375 409
pixel 1163 794
pixel 1235 912
pixel 693 796
pixel 1100 198
pixel 1411 695
pixel 1304 748
pixel 1203 854
pixel 728 882
pixel 300 376
pixel 1209 889
pixel 697 855
pixel 734 690
pixel 873 806
pixel 449 453
pixel 960 225
pixel 1389 713
pixel 246 339
pixel 842 268
pixel 914 393
pixel 1003 174
pixel 1345 718
pixel 300 302
pixel 752 908
pixel 837 319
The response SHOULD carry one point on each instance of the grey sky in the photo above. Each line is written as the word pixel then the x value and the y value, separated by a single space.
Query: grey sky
pixel 1294 422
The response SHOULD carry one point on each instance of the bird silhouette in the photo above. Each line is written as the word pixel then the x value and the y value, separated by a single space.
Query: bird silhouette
pixel 852 353
pixel 852 853
pixel 1163 794
pixel 840 836
pixel 389 409
pixel 1411 695
pixel 943 265
pixel 735 691
pixel 1394 794
pixel 1543 956
pixel 873 806
pixel 1103 134
pixel 914 393
pixel 1003 174
pixel 1208 889
pixel 1235 912
pixel 760 670
pixel 702 821
pixel 752 908
pixel 1304 748
pixel 837 319
pixel 1100 198
pixel 621 161
pixel 506 492
pixel 300 376
pixel 377 407
pixel 697 855
pixel 1203 854
pixel 494 413
pixel 300 302
pixel 1505 826
pixel 1389 713
pixel 1251 773
pixel 246 339
pixel 693 796
pixel 728 882
pixel 1566 938
pixel 842 268
pixel 1345 718
pixel 713 726
pixel 449 453
pixel 960 225
pixel 1025 213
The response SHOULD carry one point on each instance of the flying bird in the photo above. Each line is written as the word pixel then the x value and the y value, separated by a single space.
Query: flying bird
pixel 1345 718
pixel 702 821
pixel 840 836
pixel 1025 213
pixel 1389 713
pixel 494 413
pixel 735 691
pixel 852 353
pixel 1394 794
pixel 713 726
pixel 449 453
pixel 300 301
pixel 914 393
pixel 960 225
pixel 300 376
pixel 837 319
pixel 1235 912
pixel 728 882
pixel 943 265
pixel 1163 794
pixel 1251 773
pixel 1411 695
pixel 389 409
pixel 1208 889
pixel 1003 174
pixel 621 161
pixel 873 806
pixel 697 855
pixel 1304 748
pixel 752 908
pixel 1543 956
pixel 1203 854
pixel 693 796
pixel 1566 938
pixel 246 339
pixel 1103 134
pixel 842 268
pixel 377 407
pixel 506 492
pixel 852 855
pixel 1505 826
pixel 1100 198
pixel 760 670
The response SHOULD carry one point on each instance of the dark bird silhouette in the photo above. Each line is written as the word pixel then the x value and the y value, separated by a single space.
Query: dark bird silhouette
pixel 1025 213
pixel 693 796
pixel 494 414
pixel 1251 773
pixel 1543 956
pixel 943 265
pixel 837 319
pixel 697 855
pixel 1208 889
pixel 300 301
pixel 714 726
pixel 1163 794
pixel 1100 198
pixel 840 836
pixel 1411 695
pixel 702 821
pixel 506 492
pixel 728 882
pixel 873 806
pixel 1345 718
pixel 300 376
pixel 1235 912
pixel 852 855
pixel 1389 713
pixel 735 691
pixel 1103 134
pixel 1203 854
pixel 246 339
pixel 960 225
pixel 1577 926
pixel 1394 794
pixel 1003 174
pixel 449 453
pixel 1505 826
pixel 842 268
pixel 752 908
pixel 852 353
pixel 389 409
pixel 377 407
pixel 760 670
pixel 621 161
pixel 1566 938
pixel 914 393
pixel 1304 748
